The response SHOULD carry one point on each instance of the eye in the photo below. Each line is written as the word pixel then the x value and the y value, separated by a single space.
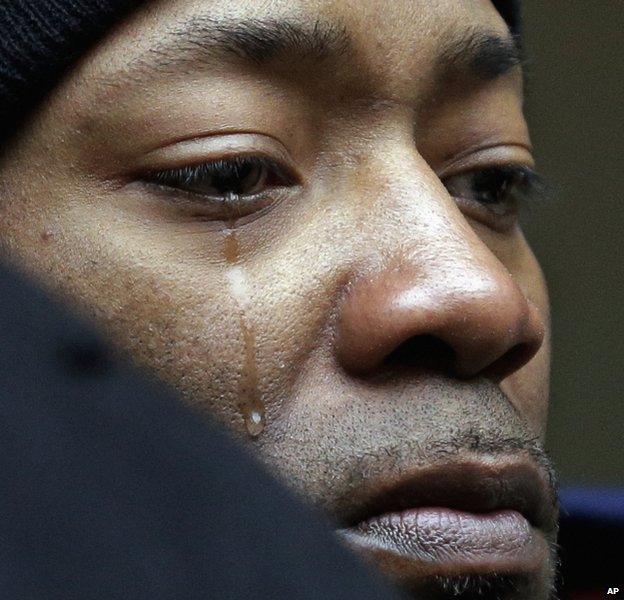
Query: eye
pixel 500 190
pixel 227 187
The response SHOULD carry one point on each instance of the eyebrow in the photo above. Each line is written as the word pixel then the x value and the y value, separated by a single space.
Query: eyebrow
pixel 203 40
pixel 483 54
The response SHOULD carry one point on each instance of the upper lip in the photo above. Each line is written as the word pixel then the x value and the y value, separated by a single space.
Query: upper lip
pixel 468 485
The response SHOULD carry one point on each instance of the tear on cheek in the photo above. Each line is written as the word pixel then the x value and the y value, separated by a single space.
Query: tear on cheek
pixel 251 404
pixel 239 290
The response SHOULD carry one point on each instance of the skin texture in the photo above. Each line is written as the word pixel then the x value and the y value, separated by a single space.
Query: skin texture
pixel 364 323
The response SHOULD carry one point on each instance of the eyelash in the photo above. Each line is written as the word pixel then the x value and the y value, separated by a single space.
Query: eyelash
pixel 233 168
pixel 520 185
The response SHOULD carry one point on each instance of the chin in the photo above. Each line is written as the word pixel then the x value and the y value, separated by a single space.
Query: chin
pixel 492 586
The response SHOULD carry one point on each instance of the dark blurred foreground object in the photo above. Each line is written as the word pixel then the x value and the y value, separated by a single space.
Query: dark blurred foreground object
pixel 111 489
pixel 591 538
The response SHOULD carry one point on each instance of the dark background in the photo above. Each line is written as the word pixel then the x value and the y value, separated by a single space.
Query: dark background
pixel 575 95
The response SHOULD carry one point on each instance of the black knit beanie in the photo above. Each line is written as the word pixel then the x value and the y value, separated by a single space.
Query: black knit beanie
pixel 40 39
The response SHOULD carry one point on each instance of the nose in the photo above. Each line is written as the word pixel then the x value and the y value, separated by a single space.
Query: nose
pixel 449 302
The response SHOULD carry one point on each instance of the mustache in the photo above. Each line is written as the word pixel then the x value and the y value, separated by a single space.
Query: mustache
pixel 403 456
pixel 504 433
pixel 478 442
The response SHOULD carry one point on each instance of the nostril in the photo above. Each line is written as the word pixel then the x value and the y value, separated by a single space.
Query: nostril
pixel 425 352
pixel 511 361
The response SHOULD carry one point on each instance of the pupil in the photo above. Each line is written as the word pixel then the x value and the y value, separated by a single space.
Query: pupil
pixel 237 179
pixel 491 185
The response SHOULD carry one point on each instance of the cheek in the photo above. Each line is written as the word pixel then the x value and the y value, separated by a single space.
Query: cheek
pixel 531 385
pixel 231 338
pixel 532 382
pixel 527 388
pixel 151 301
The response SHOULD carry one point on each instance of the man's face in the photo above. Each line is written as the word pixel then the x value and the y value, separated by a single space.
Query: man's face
pixel 302 214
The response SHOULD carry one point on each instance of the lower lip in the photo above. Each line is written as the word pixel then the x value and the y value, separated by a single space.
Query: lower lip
pixel 443 541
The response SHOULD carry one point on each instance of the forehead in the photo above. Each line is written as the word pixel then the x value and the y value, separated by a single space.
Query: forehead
pixel 392 45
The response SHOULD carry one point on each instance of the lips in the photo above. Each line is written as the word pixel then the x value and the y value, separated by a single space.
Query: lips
pixel 473 486
pixel 457 518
